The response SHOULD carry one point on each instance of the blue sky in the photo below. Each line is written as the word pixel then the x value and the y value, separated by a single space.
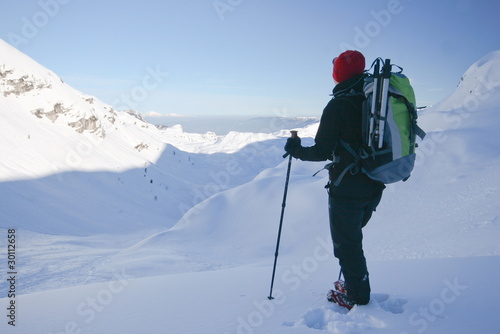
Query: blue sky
pixel 251 57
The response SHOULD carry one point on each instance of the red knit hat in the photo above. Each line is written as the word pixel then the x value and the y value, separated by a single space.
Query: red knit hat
pixel 347 65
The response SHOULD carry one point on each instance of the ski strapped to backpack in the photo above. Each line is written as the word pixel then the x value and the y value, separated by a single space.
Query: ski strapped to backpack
pixel 389 127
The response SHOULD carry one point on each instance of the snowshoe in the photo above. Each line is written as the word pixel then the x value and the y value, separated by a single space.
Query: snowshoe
pixel 339 295
pixel 340 298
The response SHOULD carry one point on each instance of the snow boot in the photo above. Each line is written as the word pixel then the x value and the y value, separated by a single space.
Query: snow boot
pixel 339 286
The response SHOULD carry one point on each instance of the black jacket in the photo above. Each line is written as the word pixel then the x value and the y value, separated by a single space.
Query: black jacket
pixel 341 120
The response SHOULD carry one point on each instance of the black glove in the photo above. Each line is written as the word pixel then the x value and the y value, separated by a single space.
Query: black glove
pixel 292 144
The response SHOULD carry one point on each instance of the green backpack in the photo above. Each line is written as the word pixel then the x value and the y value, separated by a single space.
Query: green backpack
pixel 389 127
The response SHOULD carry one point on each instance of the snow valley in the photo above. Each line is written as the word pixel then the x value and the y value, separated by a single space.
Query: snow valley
pixel 120 226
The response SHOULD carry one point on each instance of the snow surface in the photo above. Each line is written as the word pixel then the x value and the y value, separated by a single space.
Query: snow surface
pixel 123 227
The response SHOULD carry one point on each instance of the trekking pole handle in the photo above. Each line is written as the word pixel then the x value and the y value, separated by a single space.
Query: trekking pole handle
pixel 293 135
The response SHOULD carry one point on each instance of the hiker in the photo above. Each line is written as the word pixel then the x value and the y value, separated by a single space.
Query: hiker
pixel 353 199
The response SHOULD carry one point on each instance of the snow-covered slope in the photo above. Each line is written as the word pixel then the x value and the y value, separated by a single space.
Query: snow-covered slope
pixel 74 165
pixel 437 296
pixel 477 88
pixel 432 246
pixel 61 129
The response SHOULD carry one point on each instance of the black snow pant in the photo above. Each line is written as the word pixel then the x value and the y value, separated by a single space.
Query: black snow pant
pixel 347 217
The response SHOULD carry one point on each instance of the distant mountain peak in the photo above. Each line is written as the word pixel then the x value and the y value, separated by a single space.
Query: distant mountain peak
pixel 477 86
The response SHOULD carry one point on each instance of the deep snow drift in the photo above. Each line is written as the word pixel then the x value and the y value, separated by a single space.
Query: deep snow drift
pixel 124 228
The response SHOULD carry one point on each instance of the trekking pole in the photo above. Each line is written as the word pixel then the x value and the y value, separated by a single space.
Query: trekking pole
pixel 375 101
pixel 294 135
pixel 386 74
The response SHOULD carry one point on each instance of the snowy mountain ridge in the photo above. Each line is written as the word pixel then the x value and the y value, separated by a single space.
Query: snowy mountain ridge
pixel 476 86
pixel 43 103
pixel 63 138
pixel 36 97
